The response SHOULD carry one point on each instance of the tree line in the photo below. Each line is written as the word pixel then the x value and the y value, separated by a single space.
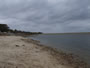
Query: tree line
pixel 6 28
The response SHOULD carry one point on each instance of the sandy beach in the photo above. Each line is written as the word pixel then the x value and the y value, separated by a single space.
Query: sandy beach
pixel 20 52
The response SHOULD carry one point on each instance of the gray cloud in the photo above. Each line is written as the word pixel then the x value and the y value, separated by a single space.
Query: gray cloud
pixel 46 15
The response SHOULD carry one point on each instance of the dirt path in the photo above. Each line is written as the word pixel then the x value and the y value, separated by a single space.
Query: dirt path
pixel 18 52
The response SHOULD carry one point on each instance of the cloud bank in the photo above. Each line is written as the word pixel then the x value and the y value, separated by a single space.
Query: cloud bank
pixel 46 15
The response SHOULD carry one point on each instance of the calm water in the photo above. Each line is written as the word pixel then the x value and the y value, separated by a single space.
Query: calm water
pixel 78 44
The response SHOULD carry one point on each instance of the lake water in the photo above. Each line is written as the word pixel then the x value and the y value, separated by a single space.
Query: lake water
pixel 78 44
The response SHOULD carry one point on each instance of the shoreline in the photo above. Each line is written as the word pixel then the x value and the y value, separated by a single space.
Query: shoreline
pixel 21 52
pixel 69 57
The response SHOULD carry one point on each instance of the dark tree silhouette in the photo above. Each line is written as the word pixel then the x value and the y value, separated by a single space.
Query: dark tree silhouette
pixel 4 28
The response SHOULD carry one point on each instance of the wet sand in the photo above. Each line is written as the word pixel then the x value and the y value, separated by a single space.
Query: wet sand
pixel 20 52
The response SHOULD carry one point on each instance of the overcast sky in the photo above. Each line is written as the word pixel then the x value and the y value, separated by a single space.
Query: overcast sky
pixel 46 15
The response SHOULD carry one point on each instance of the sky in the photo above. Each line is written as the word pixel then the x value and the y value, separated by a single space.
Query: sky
pixel 48 16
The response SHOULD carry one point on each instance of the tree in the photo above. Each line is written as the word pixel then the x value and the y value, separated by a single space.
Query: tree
pixel 4 28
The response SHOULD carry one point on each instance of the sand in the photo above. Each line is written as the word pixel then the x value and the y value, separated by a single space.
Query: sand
pixel 20 52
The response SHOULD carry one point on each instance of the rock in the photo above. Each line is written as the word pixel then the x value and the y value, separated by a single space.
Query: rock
pixel 23 45
pixel 17 46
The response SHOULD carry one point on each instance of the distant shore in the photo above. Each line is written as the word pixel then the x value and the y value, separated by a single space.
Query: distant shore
pixel 67 33
pixel 20 52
